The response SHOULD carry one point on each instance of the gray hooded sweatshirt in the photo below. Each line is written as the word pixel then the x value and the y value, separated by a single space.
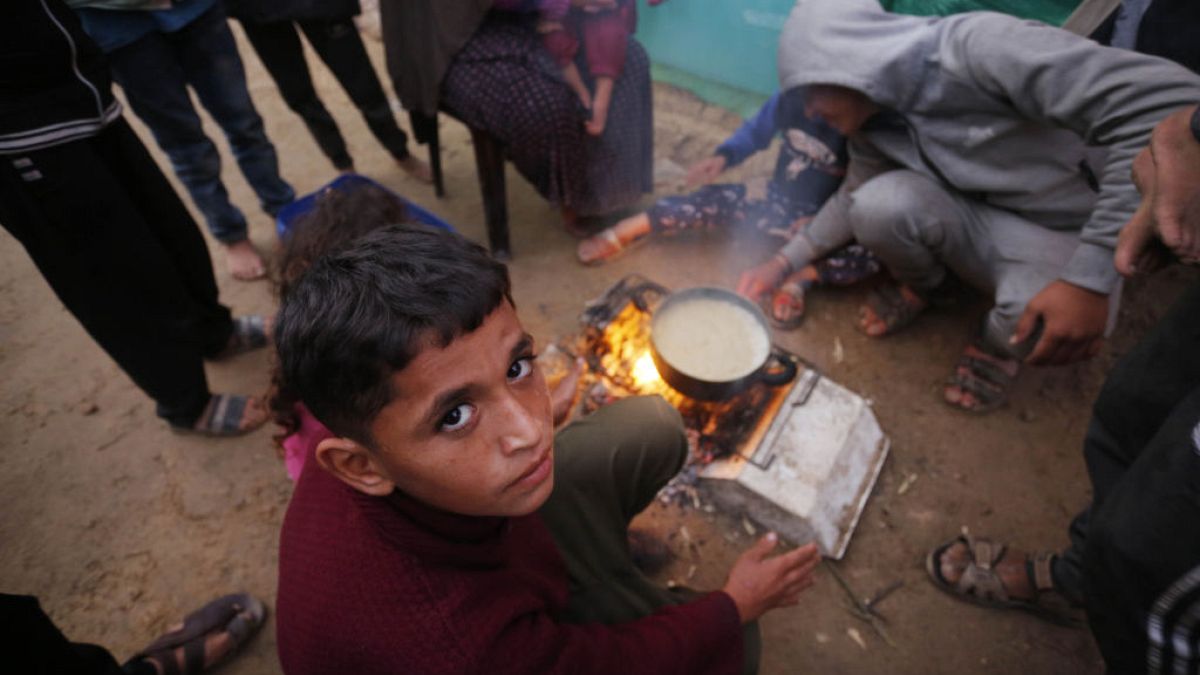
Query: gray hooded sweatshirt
pixel 1015 113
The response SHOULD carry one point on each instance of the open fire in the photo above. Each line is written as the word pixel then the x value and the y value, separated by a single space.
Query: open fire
pixel 799 458
pixel 615 343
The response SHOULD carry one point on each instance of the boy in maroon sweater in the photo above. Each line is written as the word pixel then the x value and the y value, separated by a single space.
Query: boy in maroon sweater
pixel 448 529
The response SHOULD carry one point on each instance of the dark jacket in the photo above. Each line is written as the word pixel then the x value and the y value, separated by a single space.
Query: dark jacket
pixel 54 82
pixel 1168 29
pixel 271 11
pixel 421 38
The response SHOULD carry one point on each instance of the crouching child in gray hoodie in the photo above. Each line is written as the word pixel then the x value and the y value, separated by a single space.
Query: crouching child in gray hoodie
pixel 986 149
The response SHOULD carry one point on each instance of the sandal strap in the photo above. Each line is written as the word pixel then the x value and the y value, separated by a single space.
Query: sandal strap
pixel 193 656
pixel 979 387
pixel 892 307
pixel 610 235
pixel 1040 568
pixel 224 413
pixel 979 578
pixel 249 333
pixel 987 370
pixel 165 658
pixel 797 289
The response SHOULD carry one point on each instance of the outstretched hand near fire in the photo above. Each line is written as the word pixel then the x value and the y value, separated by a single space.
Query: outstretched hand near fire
pixel 758 583
pixel 762 279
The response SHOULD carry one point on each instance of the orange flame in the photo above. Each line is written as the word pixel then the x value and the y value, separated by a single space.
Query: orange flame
pixel 645 374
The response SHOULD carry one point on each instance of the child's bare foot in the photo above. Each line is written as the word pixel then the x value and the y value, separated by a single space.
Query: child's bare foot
pixel 604 89
pixel 612 241
pixel 574 80
pixel 245 264
pixel 889 308
pixel 416 169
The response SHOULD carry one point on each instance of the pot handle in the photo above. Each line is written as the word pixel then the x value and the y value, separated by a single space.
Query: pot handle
pixel 784 373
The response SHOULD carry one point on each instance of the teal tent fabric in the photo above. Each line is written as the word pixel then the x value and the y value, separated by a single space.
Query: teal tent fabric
pixel 723 51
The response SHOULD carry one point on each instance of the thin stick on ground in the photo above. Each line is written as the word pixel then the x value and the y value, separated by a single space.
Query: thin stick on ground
pixel 861 610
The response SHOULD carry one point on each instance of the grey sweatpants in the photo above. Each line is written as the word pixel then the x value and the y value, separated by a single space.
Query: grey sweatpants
pixel 920 230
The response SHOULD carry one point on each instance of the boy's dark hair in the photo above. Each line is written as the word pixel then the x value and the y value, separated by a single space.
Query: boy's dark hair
pixel 361 314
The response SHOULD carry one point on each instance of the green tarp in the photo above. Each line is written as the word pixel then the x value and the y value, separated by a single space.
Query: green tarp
pixel 1053 12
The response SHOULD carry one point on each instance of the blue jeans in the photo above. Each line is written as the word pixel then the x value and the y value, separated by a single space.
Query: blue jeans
pixel 155 72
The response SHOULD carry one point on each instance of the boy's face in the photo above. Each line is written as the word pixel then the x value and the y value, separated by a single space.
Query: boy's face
pixel 470 428
pixel 843 109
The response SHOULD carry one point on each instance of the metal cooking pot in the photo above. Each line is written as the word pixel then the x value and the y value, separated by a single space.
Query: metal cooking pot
pixel 775 369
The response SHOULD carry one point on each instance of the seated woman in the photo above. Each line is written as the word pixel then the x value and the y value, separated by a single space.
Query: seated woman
pixel 489 69
pixel 811 164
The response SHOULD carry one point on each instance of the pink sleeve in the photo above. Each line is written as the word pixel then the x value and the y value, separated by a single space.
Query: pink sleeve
pixel 300 445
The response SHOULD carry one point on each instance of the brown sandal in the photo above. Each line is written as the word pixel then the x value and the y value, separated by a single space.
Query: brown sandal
pixel 980 584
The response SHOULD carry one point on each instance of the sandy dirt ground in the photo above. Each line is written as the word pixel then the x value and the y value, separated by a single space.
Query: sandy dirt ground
pixel 120 525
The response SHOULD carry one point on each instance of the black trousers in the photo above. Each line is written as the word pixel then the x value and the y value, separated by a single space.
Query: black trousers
pixel 339 45
pixel 33 645
pixel 112 238
pixel 1134 559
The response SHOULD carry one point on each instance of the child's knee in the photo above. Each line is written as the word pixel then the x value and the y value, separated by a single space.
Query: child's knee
pixel 882 209
pixel 656 424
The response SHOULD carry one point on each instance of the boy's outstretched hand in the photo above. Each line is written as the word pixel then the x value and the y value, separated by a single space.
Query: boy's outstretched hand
pixel 758 583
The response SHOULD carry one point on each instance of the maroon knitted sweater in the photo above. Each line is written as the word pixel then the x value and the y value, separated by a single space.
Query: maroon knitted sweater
pixel 390 585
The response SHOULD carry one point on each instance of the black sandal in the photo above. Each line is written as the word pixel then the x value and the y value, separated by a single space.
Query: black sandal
pixel 985 379
pixel 222 417
pixel 249 333
pixel 240 615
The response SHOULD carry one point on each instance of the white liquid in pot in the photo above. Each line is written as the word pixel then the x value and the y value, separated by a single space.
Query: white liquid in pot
pixel 711 339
